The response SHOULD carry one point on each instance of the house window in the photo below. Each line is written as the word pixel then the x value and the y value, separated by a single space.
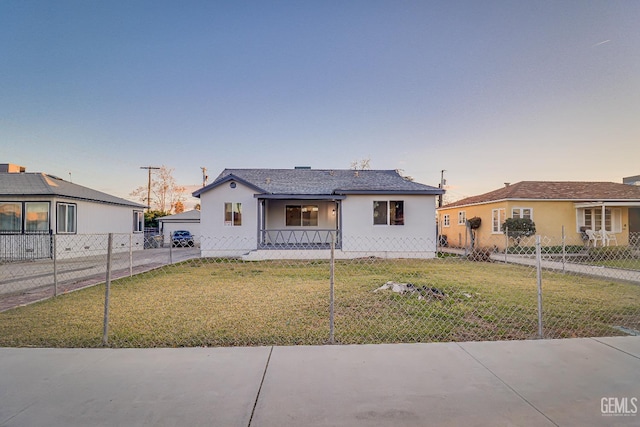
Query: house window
pixel 388 213
pixel 497 219
pixel 462 218
pixel 592 219
pixel 522 213
pixel 10 217
pixel 305 216
pixel 445 220
pixel 138 221
pixel 233 214
pixel 66 218
pixel 36 216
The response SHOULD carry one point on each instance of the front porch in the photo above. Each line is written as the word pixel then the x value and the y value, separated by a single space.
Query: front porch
pixel 304 223
pixel 607 223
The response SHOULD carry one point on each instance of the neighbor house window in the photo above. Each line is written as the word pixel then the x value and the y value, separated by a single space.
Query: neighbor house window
pixel 462 218
pixel 497 219
pixel 233 214
pixel 388 213
pixel 592 219
pixel 138 221
pixel 299 215
pixel 66 218
pixel 445 220
pixel 10 217
pixel 522 213
pixel 36 216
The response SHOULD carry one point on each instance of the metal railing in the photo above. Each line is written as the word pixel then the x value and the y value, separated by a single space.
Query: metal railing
pixel 298 239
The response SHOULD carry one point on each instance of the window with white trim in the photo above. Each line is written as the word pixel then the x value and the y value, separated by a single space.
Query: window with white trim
pixel 388 212
pixel 462 218
pixel 138 221
pixel 446 222
pixel 522 213
pixel 592 219
pixel 497 219
pixel 66 218
pixel 233 214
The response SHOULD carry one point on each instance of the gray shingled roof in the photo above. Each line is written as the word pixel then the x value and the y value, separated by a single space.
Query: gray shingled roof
pixel 322 182
pixel 556 190
pixel 40 184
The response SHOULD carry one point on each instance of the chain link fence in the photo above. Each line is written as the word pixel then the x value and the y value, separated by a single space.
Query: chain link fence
pixel 142 292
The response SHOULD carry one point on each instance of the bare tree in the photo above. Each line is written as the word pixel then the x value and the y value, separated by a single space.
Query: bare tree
pixel 363 164
pixel 166 194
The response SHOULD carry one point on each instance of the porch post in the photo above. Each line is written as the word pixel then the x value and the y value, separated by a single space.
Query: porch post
pixel 603 231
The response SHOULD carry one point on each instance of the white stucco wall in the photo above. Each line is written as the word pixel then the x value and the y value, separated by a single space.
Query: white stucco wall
pixel 418 234
pixel 94 222
pixel 219 239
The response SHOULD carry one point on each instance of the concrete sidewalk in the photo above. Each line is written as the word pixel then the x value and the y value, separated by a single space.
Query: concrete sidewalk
pixel 519 383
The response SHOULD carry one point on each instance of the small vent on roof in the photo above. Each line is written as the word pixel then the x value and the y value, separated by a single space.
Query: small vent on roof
pixel 303 167
pixel 268 180
pixel 356 174
pixel 506 184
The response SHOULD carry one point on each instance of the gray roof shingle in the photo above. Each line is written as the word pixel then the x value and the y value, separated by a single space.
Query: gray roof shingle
pixel 40 184
pixel 322 182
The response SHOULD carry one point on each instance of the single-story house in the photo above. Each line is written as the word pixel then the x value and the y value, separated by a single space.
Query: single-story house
pixel 372 212
pixel 580 208
pixel 188 220
pixel 36 206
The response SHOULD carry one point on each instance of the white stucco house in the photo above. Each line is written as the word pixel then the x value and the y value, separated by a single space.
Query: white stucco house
pixel 261 213
pixel 34 207
pixel 187 220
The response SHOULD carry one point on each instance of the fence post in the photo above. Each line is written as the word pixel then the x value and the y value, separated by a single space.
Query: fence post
pixel 130 254
pixel 55 264
pixel 506 243
pixel 539 277
pixel 332 338
pixel 105 327
pixel 564 249
pixel 171 252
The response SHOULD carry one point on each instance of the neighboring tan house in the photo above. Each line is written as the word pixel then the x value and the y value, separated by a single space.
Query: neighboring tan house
pixel 581 207
pixel 188 220
pixel 34 207
pixel 374 211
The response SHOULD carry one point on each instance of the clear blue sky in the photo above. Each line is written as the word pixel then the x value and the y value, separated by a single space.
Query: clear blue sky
pixel 490 91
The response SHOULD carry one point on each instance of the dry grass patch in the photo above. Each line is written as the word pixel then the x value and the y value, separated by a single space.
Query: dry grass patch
pixel 226 303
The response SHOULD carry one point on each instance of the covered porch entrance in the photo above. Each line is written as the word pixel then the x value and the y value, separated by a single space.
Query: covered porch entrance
pixel 301 223
pixel 609 223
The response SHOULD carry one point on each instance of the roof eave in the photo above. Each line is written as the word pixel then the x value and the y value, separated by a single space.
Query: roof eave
pixel 228 178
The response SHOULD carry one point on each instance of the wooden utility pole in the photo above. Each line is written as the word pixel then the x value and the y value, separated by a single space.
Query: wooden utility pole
pixel 149 168
pixel 205 177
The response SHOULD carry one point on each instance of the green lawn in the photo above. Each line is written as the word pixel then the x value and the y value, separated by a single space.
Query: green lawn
pixel 231 303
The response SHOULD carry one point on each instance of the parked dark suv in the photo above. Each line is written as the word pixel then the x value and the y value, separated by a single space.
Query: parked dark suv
pixel 181 238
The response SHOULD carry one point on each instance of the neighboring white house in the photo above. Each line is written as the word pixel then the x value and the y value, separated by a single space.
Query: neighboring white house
pixel 36 206
pixel 254 212
pixel 188 220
